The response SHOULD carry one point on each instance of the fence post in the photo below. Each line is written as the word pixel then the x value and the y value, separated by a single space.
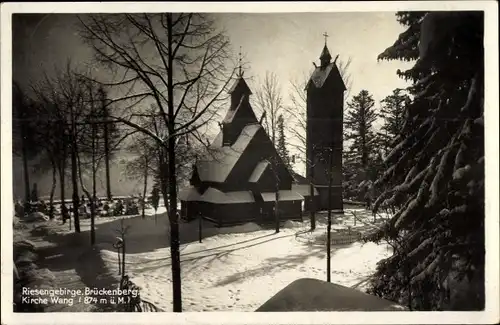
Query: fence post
pixel 119 245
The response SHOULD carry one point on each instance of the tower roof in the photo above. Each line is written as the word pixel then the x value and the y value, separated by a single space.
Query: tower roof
pixel 326 70
pixel 325 56
pixel 240 86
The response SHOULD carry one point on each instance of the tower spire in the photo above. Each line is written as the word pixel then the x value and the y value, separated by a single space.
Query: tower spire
pixel 325 56
pixel 240 72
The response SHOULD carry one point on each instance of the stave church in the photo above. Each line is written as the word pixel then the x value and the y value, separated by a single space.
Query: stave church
pixel 242 178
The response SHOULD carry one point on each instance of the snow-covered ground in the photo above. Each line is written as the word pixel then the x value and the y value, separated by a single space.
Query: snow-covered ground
pixel 238 268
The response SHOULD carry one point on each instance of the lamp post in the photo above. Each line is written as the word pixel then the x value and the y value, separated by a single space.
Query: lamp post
pixel 329 224
pixel 311 188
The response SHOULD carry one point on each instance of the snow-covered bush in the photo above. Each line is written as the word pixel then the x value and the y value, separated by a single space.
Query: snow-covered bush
pixel 28 274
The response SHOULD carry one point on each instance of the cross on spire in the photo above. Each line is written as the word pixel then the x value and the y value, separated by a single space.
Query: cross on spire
pixel 325 34
pixel 325 56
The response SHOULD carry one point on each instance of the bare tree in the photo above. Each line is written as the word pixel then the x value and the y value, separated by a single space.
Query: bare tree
pixel 53 130
pixel 175 60
pixel 269 102
pixel 64 101
pixel 145 163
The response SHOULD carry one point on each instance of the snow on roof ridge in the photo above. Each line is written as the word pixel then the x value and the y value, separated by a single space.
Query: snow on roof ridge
pixel 259 169
pixel 231 113
pixel 251 130
pixel 213 195
pixel 283 195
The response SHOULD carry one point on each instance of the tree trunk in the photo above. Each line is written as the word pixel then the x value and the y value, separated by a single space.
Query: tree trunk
pixel 164 180
pixel 62 172
pixel 311 197
pixel 53 189
pixel 172 195
pixel 329 227
pixel 276 210
pixel 119 261
pixel 166 187
pixel 25 168
pixel 123 254
pixel 93 201
pixel 74 176
pixel 92 206
pixel 62 194
pixel 145 189
pixel 106 160
pixel 76 199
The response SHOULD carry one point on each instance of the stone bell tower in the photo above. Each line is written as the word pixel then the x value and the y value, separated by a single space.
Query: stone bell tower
pixel 325 108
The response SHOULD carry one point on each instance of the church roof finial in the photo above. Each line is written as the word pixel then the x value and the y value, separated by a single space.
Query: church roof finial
pixel 325 56
pixel 240 72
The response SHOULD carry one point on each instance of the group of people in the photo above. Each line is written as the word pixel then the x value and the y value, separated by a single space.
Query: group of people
pixel 113 208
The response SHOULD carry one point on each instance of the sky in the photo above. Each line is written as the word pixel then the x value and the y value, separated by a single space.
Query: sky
pixel 283 43
pixel 286 44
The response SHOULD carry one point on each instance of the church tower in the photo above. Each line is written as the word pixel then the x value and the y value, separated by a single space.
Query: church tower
pixel 325 108
pixel 240 112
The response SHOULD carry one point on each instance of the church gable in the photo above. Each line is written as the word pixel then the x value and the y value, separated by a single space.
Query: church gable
pixel 220 160
pixel 261 149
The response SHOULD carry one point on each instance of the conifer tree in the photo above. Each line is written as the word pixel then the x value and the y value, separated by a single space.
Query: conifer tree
pixel 434 176
pixel 281 143
pixel 362 151
pixel 392 113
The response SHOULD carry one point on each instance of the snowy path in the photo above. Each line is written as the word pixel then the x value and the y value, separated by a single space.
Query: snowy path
pixel 240 271
pixel 73 264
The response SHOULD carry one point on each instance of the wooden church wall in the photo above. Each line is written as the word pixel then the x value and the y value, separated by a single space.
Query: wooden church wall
pixel 233 214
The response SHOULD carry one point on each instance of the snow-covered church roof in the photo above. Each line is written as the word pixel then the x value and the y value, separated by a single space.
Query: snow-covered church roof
pixel 220 160
pixel 213 195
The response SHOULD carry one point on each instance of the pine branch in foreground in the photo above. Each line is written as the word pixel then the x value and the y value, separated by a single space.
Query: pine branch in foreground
pixel 434 176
